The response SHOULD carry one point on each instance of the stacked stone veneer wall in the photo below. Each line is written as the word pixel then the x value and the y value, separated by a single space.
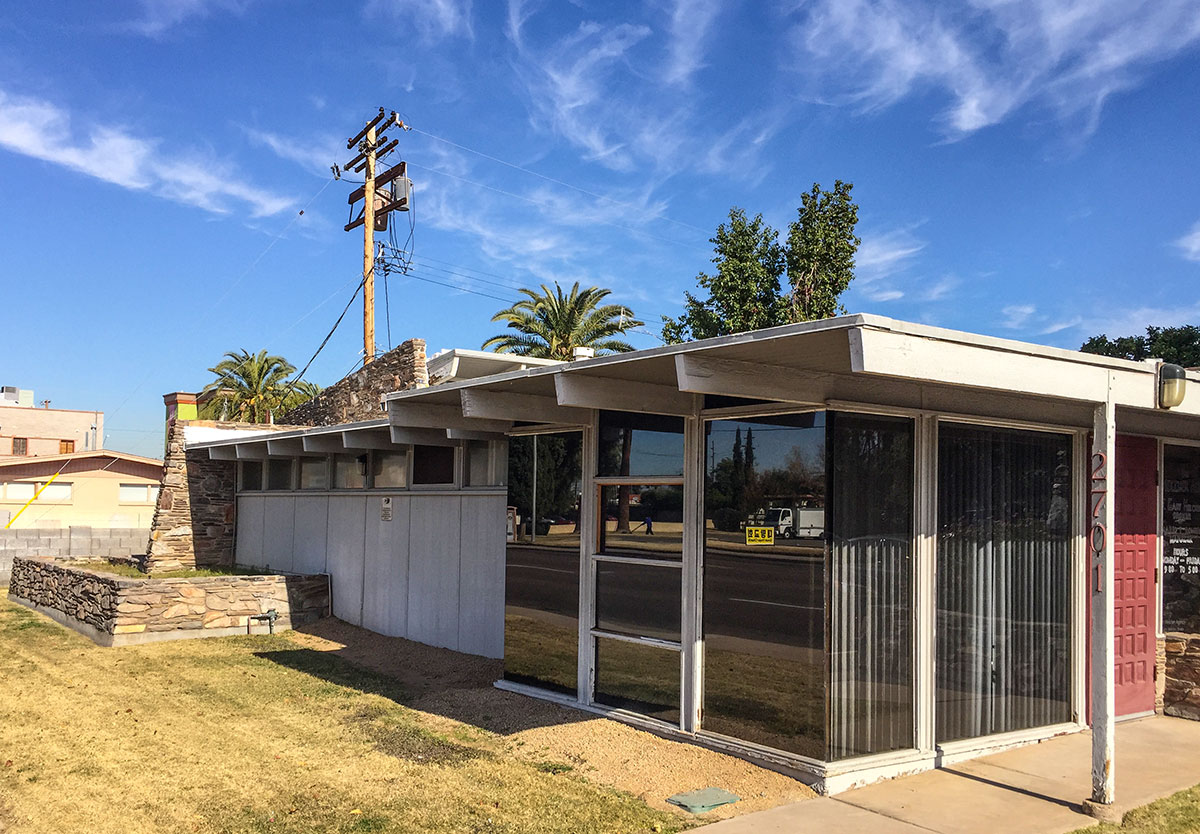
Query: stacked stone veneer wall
pixel 194 519
pixel 1181 695
pixel 115 610
pixel 357 396
pixel 100 542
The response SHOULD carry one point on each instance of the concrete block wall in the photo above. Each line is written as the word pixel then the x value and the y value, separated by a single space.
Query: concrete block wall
pixel 75 542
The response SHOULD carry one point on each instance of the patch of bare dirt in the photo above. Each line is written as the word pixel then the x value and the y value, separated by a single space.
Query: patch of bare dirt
pixel 456 689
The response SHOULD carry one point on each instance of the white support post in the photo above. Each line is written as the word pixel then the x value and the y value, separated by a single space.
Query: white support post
pixel 1102 482
pixel 692 656
pixel 925 563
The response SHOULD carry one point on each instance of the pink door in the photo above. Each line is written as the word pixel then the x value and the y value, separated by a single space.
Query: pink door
pixel 1135 593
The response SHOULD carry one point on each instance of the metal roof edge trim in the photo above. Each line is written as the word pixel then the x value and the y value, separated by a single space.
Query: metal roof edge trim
pixel 262 437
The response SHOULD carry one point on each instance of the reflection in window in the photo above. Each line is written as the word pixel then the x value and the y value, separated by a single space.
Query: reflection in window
pixel 390 469
pixel 642 520
pixel 541 591
pixel 871 584
pixel 638 600
pixel 349 471
pixel 1004 580
pixel 279 473
pixel 252 474
pixel 433 465
pixel 640 445
pixel 640 678
pixel 764 611
pixel 314 473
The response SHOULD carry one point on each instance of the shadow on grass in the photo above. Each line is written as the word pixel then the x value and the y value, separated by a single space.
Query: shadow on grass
pixel 437 681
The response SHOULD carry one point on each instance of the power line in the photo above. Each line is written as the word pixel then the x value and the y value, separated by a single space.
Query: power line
pixel 328 336
pixel 607 199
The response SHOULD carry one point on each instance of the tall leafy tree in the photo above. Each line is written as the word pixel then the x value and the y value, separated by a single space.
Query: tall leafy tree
pixel 550 324
pixel 821 246
pixel 1180 345
pixel 746 291
pixel 743 292
pixel 252 387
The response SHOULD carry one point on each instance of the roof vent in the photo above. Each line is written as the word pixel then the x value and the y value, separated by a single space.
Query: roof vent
pixel 582 353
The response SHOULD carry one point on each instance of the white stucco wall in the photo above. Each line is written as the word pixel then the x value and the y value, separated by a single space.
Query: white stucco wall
pixel 434 573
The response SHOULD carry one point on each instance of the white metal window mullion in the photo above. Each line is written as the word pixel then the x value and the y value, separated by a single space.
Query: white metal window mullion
pixel 925 607
pixel 692 656
pixel 588 528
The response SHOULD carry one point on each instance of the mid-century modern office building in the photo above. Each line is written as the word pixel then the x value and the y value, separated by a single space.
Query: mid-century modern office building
pixel 851 548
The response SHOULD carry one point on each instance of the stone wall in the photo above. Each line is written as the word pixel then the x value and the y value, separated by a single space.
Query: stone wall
pixel 357 396
pixel 98 542
pixel 115 610
pixel 1181 696
pixel 194 519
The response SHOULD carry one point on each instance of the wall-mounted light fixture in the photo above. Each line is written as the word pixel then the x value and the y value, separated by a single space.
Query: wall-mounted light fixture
pixel 362 464
pixel 1172 385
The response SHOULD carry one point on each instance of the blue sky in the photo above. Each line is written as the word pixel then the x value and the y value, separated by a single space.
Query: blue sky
pixel 1024 168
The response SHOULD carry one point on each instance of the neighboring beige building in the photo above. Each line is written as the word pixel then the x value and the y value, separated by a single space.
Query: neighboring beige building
pixel 27 431
pixel 96 488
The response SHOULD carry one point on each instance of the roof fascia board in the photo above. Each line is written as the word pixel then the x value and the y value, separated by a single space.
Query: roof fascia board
pixel 337 428
pixel 995 365
pixel 838 323
pixel 525 407
pixel 586 391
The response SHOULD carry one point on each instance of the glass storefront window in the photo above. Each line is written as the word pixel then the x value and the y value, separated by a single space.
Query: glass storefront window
pixel 640 445
pixel 541 591
pixel 1003 580
pixel 1181 539
pixel 314 473
pixel 764 595
pixel 638 677
pixel 390 470
pixel 638 600
pixel 642 520
pixel 870 515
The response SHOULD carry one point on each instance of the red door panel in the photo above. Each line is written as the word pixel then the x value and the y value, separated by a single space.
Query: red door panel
pixel 1135 556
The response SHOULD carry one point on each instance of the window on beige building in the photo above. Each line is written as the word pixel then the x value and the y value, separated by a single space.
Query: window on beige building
pixel 20 446
pixel 66 447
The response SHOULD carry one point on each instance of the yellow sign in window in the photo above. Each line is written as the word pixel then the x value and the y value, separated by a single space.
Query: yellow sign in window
pixel 760 535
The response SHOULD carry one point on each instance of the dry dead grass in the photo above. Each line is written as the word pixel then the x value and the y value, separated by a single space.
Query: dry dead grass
pixel 256 734
pixel 333 730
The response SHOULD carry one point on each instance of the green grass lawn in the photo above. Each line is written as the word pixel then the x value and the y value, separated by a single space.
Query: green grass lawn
pixel 256 734
pixel 125 569
pixel 1176 814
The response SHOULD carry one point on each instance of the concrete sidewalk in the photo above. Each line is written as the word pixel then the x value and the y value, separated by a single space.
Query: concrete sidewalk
pixel 1032 789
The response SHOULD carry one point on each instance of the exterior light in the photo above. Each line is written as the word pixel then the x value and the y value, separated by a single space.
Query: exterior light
pixel 1172 384
pixel 362 464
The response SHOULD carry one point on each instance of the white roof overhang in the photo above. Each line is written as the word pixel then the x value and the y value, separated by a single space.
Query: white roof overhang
pixel 859 359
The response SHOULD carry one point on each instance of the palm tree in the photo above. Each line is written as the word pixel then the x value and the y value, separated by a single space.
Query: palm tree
pixel 252 387
pixel 551 324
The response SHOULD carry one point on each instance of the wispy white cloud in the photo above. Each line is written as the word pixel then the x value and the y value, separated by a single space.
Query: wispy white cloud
pixel 1016 315
pixel 884 294
pixel 160 16
pixel 1061 325
pixel 990 58
pixel 940 289
pixel 690 23
pixel 433 19
pixel 116 155
pixel 315 155
pixel 1116 320
pixel 1189 244
pixel 886 253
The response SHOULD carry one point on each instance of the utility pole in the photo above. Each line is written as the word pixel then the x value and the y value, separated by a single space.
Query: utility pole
pixel 380 195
